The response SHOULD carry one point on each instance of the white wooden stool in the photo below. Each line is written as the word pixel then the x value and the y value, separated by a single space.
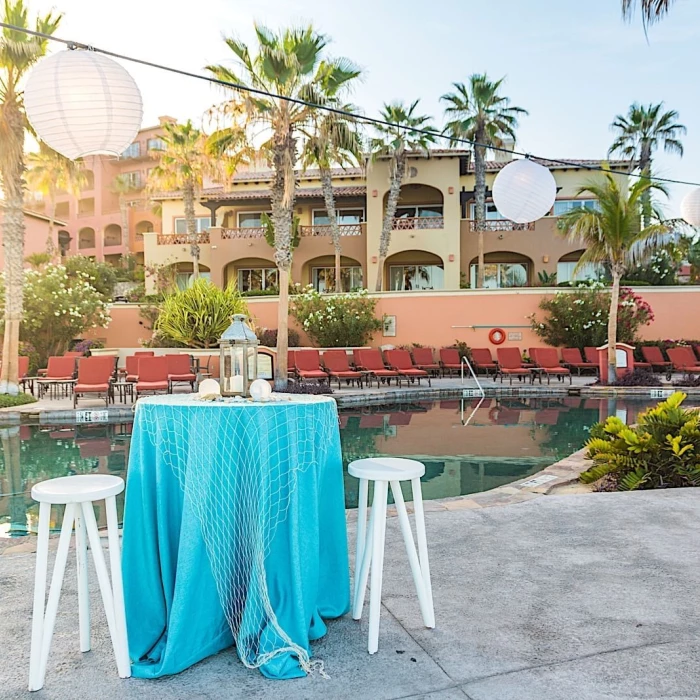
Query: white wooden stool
pixel 385 471
pixel 77 493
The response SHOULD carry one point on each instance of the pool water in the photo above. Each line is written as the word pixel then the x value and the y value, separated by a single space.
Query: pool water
pixel 467 446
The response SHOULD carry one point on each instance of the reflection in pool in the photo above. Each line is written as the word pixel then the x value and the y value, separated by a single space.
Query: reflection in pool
pixel 505 439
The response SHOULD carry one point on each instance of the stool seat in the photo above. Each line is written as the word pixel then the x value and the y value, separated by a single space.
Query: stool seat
pixel 386 469
pixel 77 489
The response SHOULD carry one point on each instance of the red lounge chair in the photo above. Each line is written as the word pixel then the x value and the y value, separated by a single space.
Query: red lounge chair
pixel 547 416
pixel 372 420
pixel 401 361
pixel 94 375
pixel 571 358
pixel 654 357
pixel 423 359
pixel 337 366
pixel 308 365
pixel 697 349
pixel 145 353
pixel 180 370
pixel 58 369
pixel 132 368
pixel 291 363
pixel 73 353
pixel 548 360
pixel 399 419
pixel 591 355
pixel 684 360
pixel 153 375
pixel 510 364
pixel 450 360
pixel 371 362
pixel 482 360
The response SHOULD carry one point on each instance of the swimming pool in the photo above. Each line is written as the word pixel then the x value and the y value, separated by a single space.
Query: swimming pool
pixel 467 446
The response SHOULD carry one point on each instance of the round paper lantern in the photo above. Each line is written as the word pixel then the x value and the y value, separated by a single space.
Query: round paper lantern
pixel 524 191
pixel 260 390
pixel 690 207
pixel 209 387
pixel 82 103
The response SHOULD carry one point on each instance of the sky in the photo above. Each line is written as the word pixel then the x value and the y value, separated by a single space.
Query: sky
pixel 573 65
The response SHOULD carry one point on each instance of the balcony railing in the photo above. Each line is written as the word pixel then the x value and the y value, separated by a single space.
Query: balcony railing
pixel 502 225
pixel 325 230
pixel 181 238
pixel 246 232
pixel 413 223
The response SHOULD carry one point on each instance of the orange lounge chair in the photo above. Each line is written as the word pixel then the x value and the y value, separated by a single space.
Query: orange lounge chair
pixel 684 360
pixel 510 364
pixel 145 353
pixel 401 361
pixel 58 369
pixel 571 358
pixel 180 371
pixel 482 360
pixel 338 367
pixel 371 361
pixel 423 359
pixel 291 363
pixel 655 358
pixel 153 375
pixel 308 366
pixel 132 368
pixel 73 353
pixel 450 360
pixel 591 355
pixel 548 360
pixel 94 377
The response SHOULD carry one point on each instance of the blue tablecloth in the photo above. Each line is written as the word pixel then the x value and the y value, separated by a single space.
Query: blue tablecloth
pixel 207 484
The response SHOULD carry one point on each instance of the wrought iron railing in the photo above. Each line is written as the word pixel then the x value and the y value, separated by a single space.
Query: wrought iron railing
pixel 413 223
pixel 245 232
pixel 502 225
pixel 181 238
pixel 325 230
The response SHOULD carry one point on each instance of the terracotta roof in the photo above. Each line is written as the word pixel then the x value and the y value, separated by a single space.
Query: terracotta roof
pixel 248 175
pixel 559 164
pixel 301 193
pixel 37 215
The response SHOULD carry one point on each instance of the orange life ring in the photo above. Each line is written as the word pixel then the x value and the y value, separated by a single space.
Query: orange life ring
pixel 497 336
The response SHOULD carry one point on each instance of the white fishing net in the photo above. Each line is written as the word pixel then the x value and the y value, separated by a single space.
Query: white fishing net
pixel 238 464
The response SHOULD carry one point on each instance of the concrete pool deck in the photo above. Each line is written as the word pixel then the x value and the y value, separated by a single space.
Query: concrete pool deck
pixel 588 596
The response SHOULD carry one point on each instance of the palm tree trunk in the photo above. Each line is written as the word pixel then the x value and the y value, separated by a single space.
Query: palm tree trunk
pixel 188 195
pixel 50 247
pixel 11 447
pixel 612 324
pixel 645 169
pixel 480 208
pixel 329 199
pixel 125 221
pixel 398 169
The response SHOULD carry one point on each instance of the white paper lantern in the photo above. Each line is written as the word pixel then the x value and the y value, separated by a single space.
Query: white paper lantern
pixel 83 103
pixel 209 387
pixel 260 390
pixel 524 191
pixel 690 207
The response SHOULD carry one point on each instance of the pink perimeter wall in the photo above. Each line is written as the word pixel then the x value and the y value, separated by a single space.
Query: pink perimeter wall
pixel 439 318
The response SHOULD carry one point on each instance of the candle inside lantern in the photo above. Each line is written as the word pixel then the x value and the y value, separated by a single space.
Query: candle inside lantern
pixel 237 384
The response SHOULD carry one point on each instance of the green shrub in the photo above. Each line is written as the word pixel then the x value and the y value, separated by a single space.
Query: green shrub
pixel 7 401
pixel 332 321
pixel 661 451
pixel 196 317
pixel 268 337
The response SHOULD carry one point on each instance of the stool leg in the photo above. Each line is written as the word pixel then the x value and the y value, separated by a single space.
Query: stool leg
pixel 83 595
pixel 361 534
pixel 59 568
pixel 375 592
pixel 42 556
pixel 418 579
pixel 359 599
pixel 115 565
pixel 423 547
pixel 103 579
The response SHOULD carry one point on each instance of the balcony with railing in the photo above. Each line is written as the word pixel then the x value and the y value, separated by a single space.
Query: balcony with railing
pixel 418 223
pixel 501 225
pixel 325 230
pixel 181 238
pixel 245 232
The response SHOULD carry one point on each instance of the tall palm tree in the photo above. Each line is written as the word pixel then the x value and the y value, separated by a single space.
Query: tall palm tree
pixel 49 173
pixel 613 234
pixel 396 142
pixel 289 63
pixel 182 166
pixel 333 140
pixel 18 52
pixel 640 133
pixel 478 113
pixel 652 10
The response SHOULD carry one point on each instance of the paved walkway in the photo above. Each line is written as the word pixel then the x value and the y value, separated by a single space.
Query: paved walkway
pixel 584 597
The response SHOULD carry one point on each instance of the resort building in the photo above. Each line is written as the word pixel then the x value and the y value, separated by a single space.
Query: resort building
pixel 433 242
pixel 37 229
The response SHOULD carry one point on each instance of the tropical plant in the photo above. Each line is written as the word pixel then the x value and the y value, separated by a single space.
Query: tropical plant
pixel 288 63
pixel 331 321
pixel 182 166
pixel 268 226
pixel 478 113
pixel 662 450
pixel 197 316
pixel 612 234
pixel 101 276
pixel 639 376
pixel 652 10
pixel 268 337
pixel 693 257
pixel 547 279
pixel 402 137
pixel 18 52
pixel 49 173
pixel 641 132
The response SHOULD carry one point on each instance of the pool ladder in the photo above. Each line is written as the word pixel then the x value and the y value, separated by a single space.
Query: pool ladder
pixel 480 389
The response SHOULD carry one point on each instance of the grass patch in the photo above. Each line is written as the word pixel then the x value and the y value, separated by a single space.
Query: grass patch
pixel 7 401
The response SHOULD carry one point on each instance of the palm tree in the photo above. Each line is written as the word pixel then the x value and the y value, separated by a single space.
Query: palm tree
pixel 49 173
pixel 18 52
pixel 640 133
pixel 333 139
pixel 123 186
pixel 397 142
pixel 182 166
pixel 288 63
pixel 476 112
pixel 613 235
pixel 652 10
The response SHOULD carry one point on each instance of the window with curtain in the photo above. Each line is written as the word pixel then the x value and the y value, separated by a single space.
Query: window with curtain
pixel 499 275
pixel 415 277
pixel 344 216
pixel 202 223
pixel 323 278
pixel 257 278
pixel 562 206
pixel 250 219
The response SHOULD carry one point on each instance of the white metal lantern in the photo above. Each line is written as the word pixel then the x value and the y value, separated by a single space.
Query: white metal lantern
pixel 83 103
pixel 524 191
pixel 238 366
pixel 690 207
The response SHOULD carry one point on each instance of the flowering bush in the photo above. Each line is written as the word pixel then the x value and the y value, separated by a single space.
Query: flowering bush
pixel 332 321
pixel 580 318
